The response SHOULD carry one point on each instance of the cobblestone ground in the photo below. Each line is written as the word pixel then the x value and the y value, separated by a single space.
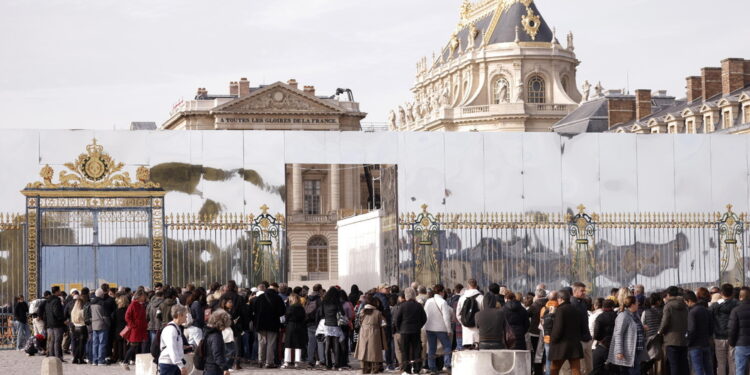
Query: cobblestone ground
pixel 13 362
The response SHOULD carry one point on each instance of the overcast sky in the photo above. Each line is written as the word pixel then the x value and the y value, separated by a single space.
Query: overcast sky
pixel 104 63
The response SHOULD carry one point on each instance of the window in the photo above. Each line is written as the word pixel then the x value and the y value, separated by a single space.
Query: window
pixel 655 130
pixel 312 197
pixel 317 258
pixel 746 111
pixel 536 90
pixel 672 128
pixel 690 127
pixel 708 124
pixel 727 119
pixel 501 91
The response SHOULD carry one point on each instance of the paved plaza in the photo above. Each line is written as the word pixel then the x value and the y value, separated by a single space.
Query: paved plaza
pixel 17 363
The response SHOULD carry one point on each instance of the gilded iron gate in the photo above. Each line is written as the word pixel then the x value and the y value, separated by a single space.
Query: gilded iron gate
pixel 95 225
pixel 603 250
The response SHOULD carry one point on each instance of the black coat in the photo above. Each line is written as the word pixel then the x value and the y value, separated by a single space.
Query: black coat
pixel 120 322
pixel 518 319
pixel 566 335
pixel 54 316
pixel 296 328
pixel 411 317
pixel 583 306
pixel 721 312
pixel 20 310
pixel 534 310
pixel 268 308
pixel 491 325
pixel 329 312
pixel 198 312
pixel 700 326
pixel 215 355
pixel 604 327
pixel 739 325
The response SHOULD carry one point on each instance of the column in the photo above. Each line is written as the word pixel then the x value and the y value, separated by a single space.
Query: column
pixel 297 199
pixel 335 188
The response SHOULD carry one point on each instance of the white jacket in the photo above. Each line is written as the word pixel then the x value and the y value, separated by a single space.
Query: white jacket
pixel 439 315
pixel 171 346
pixel 470 335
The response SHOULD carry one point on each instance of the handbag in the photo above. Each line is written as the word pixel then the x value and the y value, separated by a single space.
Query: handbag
pixel 654 346
pixel 342 320
pixel 124 332
pixel 510 337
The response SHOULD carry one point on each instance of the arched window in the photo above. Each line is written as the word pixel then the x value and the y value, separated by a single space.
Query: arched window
pixel 536 90
pixel 317 258
pixel 501 91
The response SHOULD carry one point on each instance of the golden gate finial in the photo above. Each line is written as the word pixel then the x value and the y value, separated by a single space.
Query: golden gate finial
pixel 581 208
pixel 264 208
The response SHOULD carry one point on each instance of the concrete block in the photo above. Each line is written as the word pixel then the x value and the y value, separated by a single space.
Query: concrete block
pixel 144 364
pixel 492 362
pixel 51 366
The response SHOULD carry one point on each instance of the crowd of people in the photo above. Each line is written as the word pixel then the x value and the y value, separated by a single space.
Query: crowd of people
pixel 388 329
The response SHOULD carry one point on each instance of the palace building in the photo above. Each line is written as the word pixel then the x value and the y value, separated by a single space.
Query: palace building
pixel 316 195
pixel 717 101
pixel 502 69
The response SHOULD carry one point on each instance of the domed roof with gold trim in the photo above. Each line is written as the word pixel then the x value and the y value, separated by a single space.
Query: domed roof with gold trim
pixel 497 21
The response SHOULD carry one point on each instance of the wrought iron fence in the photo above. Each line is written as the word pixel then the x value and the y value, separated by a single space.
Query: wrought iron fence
pixel 245 248
pixel 604 251
pixel 7 335
pixel 12 270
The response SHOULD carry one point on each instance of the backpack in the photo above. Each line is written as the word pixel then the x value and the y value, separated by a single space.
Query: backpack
pixel 468 311
pixel 156 345
pixel 311 310
pixel 199 359
pixel 34 306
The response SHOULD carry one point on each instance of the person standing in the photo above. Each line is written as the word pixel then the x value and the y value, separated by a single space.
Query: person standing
pixel 583 304
pixel 490 321
pixel 118 342
pixel 604 328
pixel 314 354
pixel 329 312
pixel 296 333
pixel 135 319
pixel 674 325
pixel 472 296
pixel 566 338
pixel 518 319
pixel 54 319
pixel 20 321
pixel 80 331
pixel 739 332
pixel 372 340
pixel 628 339
pixel 268 309
pixel 409 322
pixel 721 311
pixel 100 323
pixel 216 360
pixel 547 319
pixel 537 344
pixel 172 356
pixel 651 318
pixel 699 333
pixel 438 327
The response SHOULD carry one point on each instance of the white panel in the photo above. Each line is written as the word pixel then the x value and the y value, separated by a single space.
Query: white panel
pixel 503 172
pixel 541 172
pixel 692 158
pixel 63 146
pixel 305 147
pixel 265 171
pixel 655 173
pixel 464 172
pixel 332 148
pixel 168 147
pixel 129 147
pixel 19 163
pixel 222 161
pixel 423 159
pixel 618 173
pixel 729 172
pixel 580 172
pixel 352 148
pixel 381 147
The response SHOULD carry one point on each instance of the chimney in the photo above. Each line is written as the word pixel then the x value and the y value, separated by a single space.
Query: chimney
pixel 309 90
pixel 621 110
pixel 292 82
pixel 233 88
pixel 694 88
pixel 244 87
pixel 710 82
pixel 747 72
pixel 732 75
pixel 642 103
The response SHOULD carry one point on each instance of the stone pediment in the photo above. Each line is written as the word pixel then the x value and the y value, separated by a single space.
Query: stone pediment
pixel 277 98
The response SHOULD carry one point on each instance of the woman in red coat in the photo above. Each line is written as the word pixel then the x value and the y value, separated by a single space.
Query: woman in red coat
pixel 135 318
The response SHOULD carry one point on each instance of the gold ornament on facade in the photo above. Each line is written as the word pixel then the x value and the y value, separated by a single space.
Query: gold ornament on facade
pixel 531 23
pixel 94 169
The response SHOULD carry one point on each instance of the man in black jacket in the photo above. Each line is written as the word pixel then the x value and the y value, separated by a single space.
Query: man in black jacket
pixel 721 311
pixel 583 304
pixel 268 308
pixel 54 319
pixel 409 322
pixel 700 330
pixel 739 331
pixel 540 299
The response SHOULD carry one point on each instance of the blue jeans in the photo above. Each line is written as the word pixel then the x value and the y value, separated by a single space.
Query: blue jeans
pixel 165 369
pixel 678 360
pixel 230 349
pixel 701 361
pixel 548 365
pixel 99 346
pixel 432 338
pixel 22 332
pixel 741 353
pixel 313 349
pixel 636 369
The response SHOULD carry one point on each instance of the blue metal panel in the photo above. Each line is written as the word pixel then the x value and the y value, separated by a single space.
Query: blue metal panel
pixel 66 265
pixel 124 265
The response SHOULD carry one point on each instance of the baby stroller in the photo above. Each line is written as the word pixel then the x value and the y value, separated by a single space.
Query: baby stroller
pixel 35 344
